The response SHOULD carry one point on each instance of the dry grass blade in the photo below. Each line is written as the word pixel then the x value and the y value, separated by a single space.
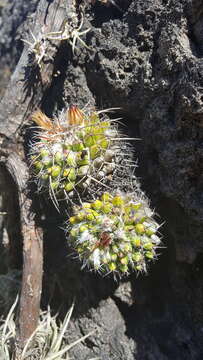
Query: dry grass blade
pixel 58 341
pixel 68 347
pixel 7 324
pixel 53 347
pixel 46 343
pixel 7 333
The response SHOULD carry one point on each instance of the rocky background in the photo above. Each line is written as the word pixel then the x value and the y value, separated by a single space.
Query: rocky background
pixel 145 57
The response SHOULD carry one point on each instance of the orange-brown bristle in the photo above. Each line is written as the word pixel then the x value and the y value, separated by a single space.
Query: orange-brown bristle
pixel 42 120
pixel 75 116
pixel 45 122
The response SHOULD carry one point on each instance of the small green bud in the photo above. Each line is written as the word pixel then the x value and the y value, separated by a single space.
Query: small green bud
pixel 98 220
pixel 45 177
pixel 54 185
pixel 106 208
pixel 77 146
pixel 127 210
pixel 80 134
pixel 83 161
pixel 68 187
pixel 140 229
pixel 127 248
pixel 105 260
pixel 74 233
pixel 38 165
pixel 123 268
pixel 66 172
pixel 136 241
pixel 128 228
pixel 148 246
pixel 49 170
pixel 66 145
pixel 104 143
pixel 149 255
pixel 86 205
pixel 114 257
pixel 55 171
pixel 44 153
pixel 58 157
pixel 124 260
pixel 94 151
pixel 149 232
pixel 97 204
pixel 73 220
pixel 89 140
pixel 136 206
pixel 105 124
pixel 128 220
pixel 83 228
pixel 71 174
pixel 115 249
pixel 117 201
pixel 47 161
pixel 138 267
pixel 70 159
pixel 90 217
pixel 136 257
pixel 112 266
pixel 80 216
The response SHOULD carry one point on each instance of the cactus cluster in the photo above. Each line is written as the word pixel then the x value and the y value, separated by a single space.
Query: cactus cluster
pixel 116 233
pixel 81 158
pixel 74 153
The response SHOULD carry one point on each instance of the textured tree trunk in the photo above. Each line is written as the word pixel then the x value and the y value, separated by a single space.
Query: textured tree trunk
pixel 24 92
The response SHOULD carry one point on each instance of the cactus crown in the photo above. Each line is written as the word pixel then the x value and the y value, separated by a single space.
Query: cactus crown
pixel 116 233
pixel 76 154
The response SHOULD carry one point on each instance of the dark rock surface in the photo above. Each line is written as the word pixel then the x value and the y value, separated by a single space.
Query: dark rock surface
pixel 13 16
pixel 148 60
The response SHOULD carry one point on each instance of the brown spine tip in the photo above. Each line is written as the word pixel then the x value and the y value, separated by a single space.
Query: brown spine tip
pixel 75 116
pixel 42 120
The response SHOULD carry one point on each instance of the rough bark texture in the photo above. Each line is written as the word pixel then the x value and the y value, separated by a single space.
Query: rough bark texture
pixel 147 60
pixel 32 245
pixel 23 92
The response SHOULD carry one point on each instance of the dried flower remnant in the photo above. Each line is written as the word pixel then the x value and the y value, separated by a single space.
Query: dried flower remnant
pixel 38 47
pixel 70 33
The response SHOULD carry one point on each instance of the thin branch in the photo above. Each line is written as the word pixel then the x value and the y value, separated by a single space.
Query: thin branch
pixel 32 253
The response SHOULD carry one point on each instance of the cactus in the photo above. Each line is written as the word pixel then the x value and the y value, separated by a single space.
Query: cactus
pixel 76 154
pixel 115 233
pixel 75 158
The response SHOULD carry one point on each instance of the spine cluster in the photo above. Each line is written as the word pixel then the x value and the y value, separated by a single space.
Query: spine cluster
pixel 82 158
pixel 115 233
